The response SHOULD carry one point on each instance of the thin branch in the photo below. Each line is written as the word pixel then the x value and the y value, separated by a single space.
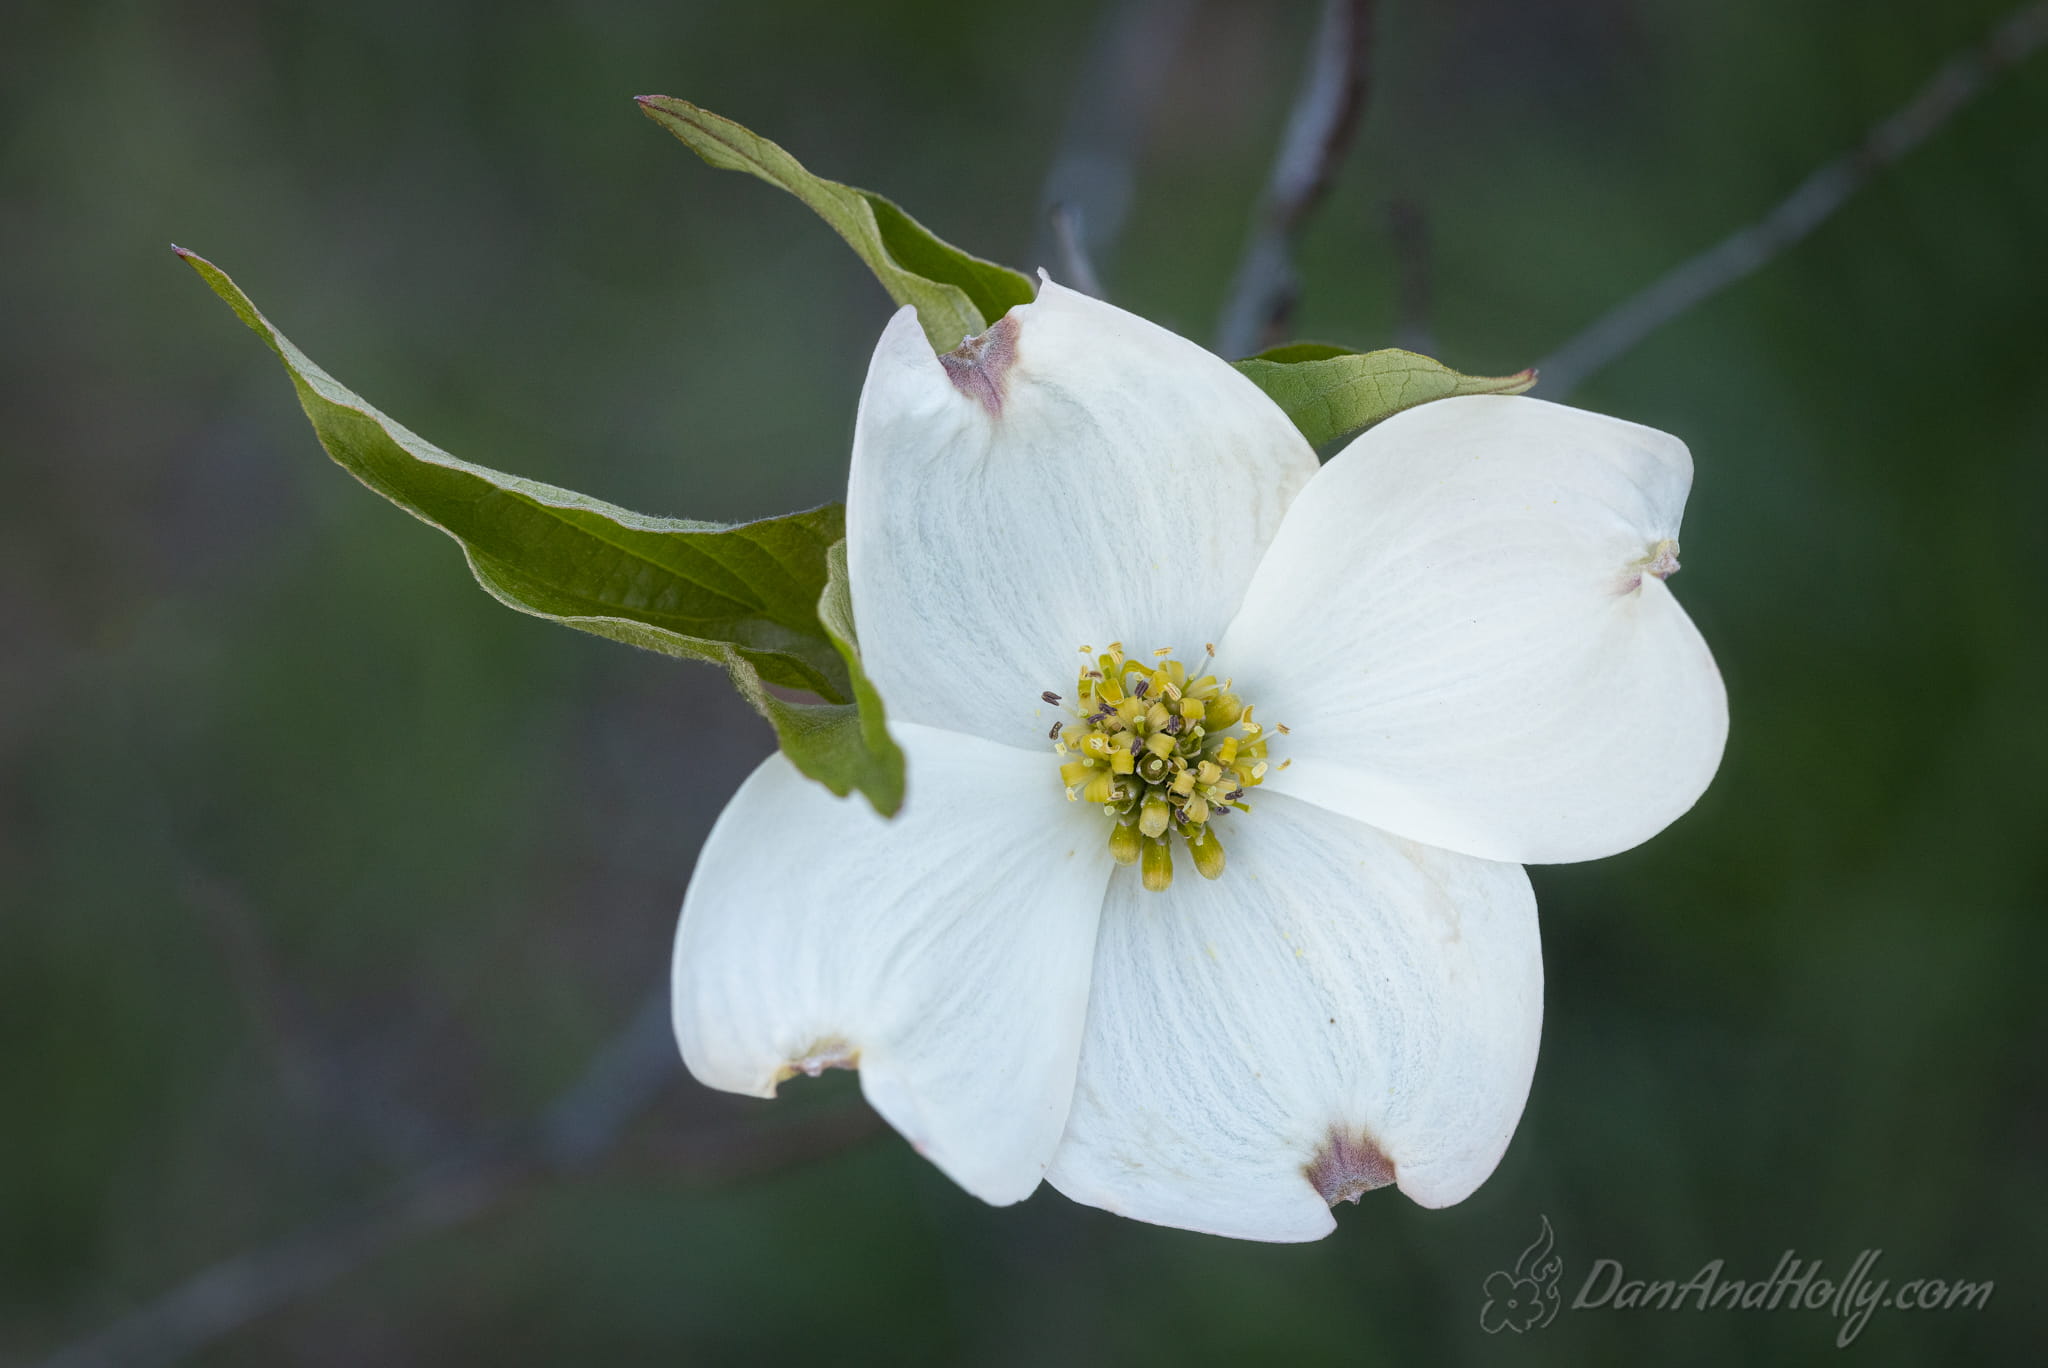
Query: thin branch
pixel 1412 277
pixel 751 1149
pixel 1960 80
pixel 621 1081
pixel 585 1123
pixel 1320 127
pixel 237 1291
pixel 1087 189
pixel 1077 264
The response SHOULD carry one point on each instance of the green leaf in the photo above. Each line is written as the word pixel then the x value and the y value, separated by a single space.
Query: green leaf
pixel 1331 392
pixel 852 748
pixel 956 295
pixel 746 596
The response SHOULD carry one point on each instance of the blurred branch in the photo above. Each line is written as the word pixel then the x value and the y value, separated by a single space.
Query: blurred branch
pixel 1816 198
pixel 752 1150
pixel 236 1291
pixel 585 1123
pixel 1076 265
pixel 1087 189
pixel 1319 130
pixel 1412 307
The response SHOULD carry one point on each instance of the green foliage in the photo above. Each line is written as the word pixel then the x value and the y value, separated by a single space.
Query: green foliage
pixel 767 600
pixel 956 295
pixel 847 748
pixel 1331 392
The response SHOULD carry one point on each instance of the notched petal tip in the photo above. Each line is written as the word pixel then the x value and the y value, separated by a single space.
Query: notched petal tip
pixel 1349 1165
pixel 1660 563
pixel 1663 559
pixel 829 1052
pixel 979 366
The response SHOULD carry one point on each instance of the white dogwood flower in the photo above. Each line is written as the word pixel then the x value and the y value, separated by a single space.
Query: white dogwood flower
pixel 1250 934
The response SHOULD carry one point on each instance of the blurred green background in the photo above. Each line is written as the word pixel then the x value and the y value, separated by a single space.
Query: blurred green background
pixel 320 867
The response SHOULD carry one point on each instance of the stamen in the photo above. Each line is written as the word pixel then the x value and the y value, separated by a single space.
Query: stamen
pixel 1051 697
pixel 1158 866
pixel 1152 819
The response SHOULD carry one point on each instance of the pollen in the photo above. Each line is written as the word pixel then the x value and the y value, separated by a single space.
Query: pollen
pixel 1165 755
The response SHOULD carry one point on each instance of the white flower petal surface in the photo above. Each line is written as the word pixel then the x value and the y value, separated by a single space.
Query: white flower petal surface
pixel 1082 476
pixel 1465 625
pixel 1341 1009
pixel 946 953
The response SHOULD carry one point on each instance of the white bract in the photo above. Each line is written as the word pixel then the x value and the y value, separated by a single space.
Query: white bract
pixel 1462 623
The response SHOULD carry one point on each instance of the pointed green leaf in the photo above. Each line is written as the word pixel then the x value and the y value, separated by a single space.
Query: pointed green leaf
pixel 957 295
pixel 1330 392
pixel 745 596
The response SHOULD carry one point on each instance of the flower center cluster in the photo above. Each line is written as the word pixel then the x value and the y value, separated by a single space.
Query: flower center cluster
pixel 1163 755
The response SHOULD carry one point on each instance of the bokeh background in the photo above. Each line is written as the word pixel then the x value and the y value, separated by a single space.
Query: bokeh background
pixel 325 876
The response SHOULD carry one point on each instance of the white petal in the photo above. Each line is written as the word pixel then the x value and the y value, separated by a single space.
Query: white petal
pixel 1091 477
pixel 1340 1009
pixel 945 953
pixel 1463 623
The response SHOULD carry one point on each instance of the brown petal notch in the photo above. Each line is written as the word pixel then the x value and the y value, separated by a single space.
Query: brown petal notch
pixel 828 1052
pixel 979 366
pixel 1349 1165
